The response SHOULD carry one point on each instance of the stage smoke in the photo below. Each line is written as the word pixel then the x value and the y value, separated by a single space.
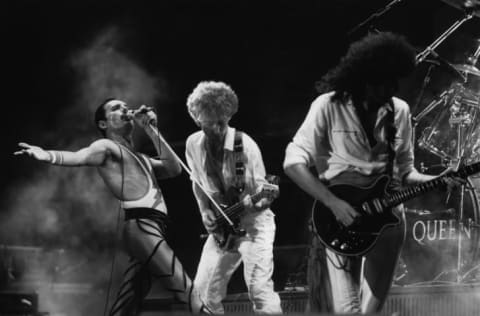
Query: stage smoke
pixel 67 214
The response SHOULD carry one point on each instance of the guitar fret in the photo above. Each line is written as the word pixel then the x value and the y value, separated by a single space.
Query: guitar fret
pixel 399 197
pixel 236 209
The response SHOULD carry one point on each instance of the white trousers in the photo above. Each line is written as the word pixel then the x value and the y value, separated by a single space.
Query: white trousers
pixel 361 284
pixel 255 250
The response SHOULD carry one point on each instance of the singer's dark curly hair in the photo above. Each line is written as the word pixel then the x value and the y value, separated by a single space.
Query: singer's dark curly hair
pixel 375 58
pixel 100 115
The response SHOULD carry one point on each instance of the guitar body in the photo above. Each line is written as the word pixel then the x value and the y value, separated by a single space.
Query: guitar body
pixel 358 238
pixel 228 231
pixel 225 235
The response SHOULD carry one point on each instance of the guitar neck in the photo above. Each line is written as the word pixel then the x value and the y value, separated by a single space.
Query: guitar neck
pixel 234 211
pixel 416 190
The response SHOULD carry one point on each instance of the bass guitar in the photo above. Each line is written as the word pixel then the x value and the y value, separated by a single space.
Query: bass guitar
pixel 225 233
pixel 375 207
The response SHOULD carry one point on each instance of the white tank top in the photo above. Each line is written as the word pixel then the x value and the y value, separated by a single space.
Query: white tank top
pixel 153 198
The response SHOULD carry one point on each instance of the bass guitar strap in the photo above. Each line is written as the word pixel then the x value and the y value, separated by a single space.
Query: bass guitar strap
pixel 239 178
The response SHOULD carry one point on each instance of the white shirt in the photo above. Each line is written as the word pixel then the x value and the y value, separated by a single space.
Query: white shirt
pixel 195 153
pixel 333 139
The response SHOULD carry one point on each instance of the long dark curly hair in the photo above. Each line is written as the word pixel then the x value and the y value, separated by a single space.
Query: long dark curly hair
pixel 372 59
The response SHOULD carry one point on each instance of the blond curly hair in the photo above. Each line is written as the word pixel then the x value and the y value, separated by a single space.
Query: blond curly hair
pixel 212 98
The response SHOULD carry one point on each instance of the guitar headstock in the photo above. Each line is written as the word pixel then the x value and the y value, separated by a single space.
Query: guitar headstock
pixel 272 179
pixel 271 189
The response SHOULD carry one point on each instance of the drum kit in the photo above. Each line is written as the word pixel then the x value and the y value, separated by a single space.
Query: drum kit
pixel 443 237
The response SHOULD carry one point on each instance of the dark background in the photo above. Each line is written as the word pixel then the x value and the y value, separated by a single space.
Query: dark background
pixel 62 58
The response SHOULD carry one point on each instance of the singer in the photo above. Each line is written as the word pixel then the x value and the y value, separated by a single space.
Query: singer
pixel 131 177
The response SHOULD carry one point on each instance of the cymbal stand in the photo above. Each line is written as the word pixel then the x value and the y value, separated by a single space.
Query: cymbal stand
pixel 373 17
pixel 472 60
pixel 424 54
pixel 457 163
pixel 420 57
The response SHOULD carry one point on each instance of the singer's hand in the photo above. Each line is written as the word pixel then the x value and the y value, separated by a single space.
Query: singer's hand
pixel 33 151
pixel 144 116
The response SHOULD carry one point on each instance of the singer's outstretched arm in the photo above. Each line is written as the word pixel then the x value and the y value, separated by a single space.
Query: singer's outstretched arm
pixel 93 155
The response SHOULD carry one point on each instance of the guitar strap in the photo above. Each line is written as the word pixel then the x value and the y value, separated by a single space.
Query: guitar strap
pixel 391 131
pixel 239 179
pixel 230 191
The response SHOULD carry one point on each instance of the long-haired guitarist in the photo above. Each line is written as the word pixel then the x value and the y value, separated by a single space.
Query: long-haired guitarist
pixel 131 177
pixel 227 167
pixel 355 131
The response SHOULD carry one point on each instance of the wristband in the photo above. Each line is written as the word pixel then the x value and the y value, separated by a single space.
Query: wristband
pixel 53 158
pixel 56 157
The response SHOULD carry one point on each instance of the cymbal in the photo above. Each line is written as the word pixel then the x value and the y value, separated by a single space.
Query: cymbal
pixel 469 69
pixel 466 5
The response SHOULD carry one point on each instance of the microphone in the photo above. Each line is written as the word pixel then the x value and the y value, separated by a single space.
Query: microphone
pixel 128 116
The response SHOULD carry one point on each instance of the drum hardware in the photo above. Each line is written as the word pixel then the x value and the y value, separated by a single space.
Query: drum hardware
pixel 471 6
pixel 450 134
pixel 470 9
pixel 430 252
pixel 468 69
pixel 369 21
pixel 462 122
pixel 402 271
pixel 422 213
pixel 471 223
pixel 430 49
pixel 440 61
pixel 453 126
pixel 468 273
pixel 425 169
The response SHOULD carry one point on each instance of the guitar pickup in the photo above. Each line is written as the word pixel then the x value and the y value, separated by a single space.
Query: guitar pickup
pixel 378 206
pixel 366 208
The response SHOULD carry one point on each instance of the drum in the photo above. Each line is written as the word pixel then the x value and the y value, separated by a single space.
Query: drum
pixel 437 239
pixel 452 131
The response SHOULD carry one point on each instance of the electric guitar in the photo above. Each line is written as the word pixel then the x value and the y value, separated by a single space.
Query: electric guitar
pixel 375 207
pixel 226 233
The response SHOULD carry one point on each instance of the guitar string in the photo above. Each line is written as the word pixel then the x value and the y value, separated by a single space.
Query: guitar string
pixel 230 212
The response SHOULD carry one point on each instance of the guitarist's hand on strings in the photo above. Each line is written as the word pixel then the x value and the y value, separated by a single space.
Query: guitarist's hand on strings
pixel 453 182
pixel 248 203
pixel 208 219
pixel 344 212
pixel 262 204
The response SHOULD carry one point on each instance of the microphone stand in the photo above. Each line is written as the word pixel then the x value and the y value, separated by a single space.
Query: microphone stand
pixel 373 17
pixel 185 167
